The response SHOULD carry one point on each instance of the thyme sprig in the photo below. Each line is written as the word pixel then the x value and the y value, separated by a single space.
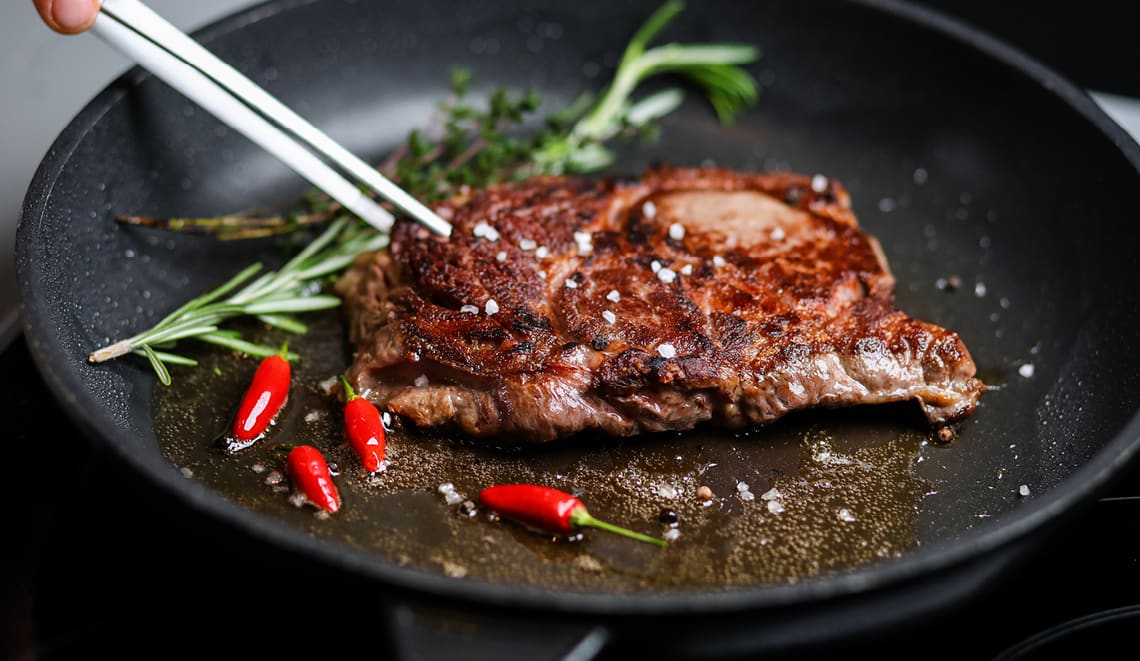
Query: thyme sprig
pixel 465 145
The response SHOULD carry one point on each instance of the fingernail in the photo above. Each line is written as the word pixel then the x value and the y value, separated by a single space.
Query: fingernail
pixel 73 15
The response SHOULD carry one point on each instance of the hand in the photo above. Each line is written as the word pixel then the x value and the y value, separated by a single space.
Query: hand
pixel 68 16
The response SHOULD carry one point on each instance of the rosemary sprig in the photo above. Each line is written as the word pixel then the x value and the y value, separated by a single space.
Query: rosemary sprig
pixel 272 297
pixel 466 146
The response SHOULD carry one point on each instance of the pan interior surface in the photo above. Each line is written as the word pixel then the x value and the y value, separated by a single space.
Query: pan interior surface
pixel 967 170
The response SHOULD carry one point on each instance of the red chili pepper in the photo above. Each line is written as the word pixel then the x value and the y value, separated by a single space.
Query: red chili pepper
pixel 549 510
pixel 364 429
pixel 261 403
pixel 310 474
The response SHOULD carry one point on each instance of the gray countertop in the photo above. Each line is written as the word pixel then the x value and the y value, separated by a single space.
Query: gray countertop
pixel 49 78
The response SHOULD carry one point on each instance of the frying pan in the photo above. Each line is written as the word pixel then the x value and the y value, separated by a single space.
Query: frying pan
pixel 963 156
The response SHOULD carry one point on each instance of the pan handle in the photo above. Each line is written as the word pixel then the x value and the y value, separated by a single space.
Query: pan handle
pixel 420 633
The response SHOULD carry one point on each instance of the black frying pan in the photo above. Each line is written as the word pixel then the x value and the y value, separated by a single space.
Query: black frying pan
pixel 1025 194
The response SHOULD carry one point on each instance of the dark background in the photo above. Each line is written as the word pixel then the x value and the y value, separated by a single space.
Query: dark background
pixel 1095 43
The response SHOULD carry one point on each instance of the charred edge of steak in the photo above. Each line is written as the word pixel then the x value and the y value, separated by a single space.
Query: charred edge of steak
pixel 561 305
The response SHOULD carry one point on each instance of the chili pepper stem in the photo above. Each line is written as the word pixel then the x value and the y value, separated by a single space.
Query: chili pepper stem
pixel 349 393
pixel 581 518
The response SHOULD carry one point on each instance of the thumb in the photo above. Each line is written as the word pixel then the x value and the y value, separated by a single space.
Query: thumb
pixel 68 16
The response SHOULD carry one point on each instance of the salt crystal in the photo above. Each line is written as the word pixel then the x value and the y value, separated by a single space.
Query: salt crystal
pixel 655 265
pixel 687 269
pixel 742 487
pixel 667 350
pixel 453 570
pixel 571 283
pixel 819 183
pixel 676 231
pixel 491 307
pixel 542 253
pixel 718 261
pixel 667 491
pixel 609 316
pixel 258 467
pixel 452 498
pixel 482 229
pixel 666 275
pixel 775 507
pixel 470 309
pixel 1023 490
pixel 187 472
pixel 583 237
pixel 980 289
pixel 649 210
pixel 1026 370
pixel 772 494
pixel 672 534
pixel 747 496
pixel 777 234
pixel 421 381
pixel 501 255
pixel 528 244
pixel 614 296
pixel 845 515
pixel 313 416
pixel 329 383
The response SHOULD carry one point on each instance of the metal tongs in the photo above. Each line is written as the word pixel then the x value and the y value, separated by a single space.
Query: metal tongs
pixel 148 39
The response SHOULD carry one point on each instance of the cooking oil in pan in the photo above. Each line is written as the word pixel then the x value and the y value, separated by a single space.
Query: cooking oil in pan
pixel 815 494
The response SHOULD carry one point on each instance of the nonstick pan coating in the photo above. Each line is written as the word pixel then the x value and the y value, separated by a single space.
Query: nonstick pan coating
pixel 962 156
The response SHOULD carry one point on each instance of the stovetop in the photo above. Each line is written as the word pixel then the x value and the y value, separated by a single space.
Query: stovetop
pixel 100 562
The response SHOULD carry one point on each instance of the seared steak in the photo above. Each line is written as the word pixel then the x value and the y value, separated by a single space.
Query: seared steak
pixel 562 305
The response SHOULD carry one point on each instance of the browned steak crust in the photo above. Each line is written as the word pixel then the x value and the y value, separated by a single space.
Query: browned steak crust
pixel 562 305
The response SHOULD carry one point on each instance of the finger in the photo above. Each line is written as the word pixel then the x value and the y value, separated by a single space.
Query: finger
pixel 68 16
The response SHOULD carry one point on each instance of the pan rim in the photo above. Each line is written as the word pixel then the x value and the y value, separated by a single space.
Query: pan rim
pixel 99 425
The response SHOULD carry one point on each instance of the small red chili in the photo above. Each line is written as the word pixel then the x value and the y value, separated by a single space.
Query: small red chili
pixel 263 399
pixel 311 476
pixel 549 510
pixel 364 429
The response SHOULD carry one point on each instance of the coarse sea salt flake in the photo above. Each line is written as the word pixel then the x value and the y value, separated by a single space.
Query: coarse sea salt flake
pixel 777 234
pixel 718 260
pixel 845 515
pixel 1026 370
pixel 528 244
pixel 501 256
pixel 775 507
pixel 687 269
pixel 667 350
pixel 1023 490
pixel 818 183
pixel 667 491
pixel 609 316
pixel 676 231
pixel 614 296
pixel 491 306
pixel 666 275
pixel 772 494
pixel 484 230
pixel 421 381
pixel 672 535
pixel 649 210
pixel 470 309
pixel 571 283
pixel 655 266
pixel 542 253
pixel 742 487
